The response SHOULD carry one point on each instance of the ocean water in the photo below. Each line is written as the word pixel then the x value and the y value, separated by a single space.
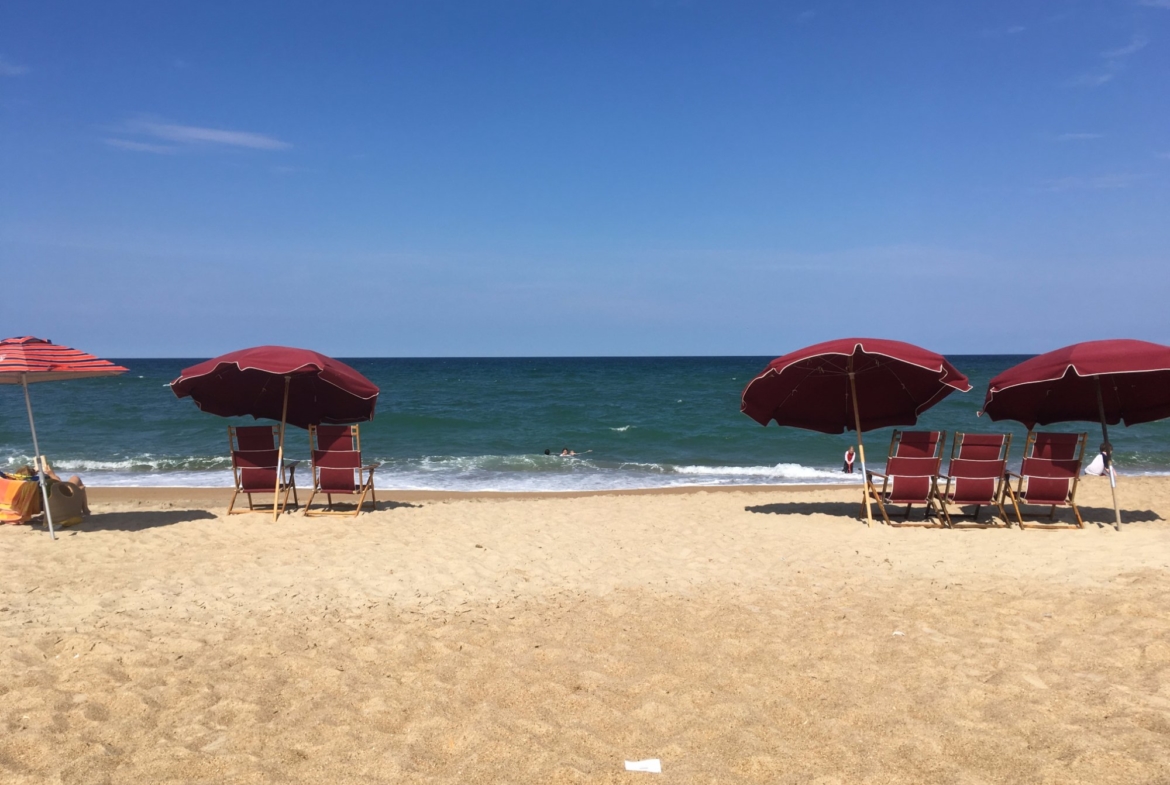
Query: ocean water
pixel 483 424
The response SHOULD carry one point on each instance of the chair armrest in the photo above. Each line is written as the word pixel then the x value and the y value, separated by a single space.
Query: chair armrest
pixel 875 474
pixel 370 467
pixel 291 464
pixel 1012 474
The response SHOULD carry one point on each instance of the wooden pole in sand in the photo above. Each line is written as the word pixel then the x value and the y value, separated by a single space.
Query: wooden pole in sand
pixel 860 446
pixel 1108 455
pixel 37 462
pixel 280 454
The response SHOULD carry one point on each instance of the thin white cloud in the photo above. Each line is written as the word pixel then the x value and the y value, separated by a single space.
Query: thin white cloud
pixel 1138 43
pixel 1002 32
pixel 1077 137
pixel 11 69
pixel 1094 78
pixel 193 134
pixel 1097 183
pixel 179 136
pixel 140 147
pixel 1114 63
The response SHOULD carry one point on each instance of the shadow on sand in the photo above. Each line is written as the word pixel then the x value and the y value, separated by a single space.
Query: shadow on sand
pixel 136 520
pixel 837 509
pixel 347 507
pixel 1034 518
pixel 1099 517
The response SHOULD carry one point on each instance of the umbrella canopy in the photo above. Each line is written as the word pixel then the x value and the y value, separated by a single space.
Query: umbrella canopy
pixel 27 360
pixel 253 382
pixel 810 388
pixel 1061 386
pixel 1096 381
pixel 31 360
pixel 851 383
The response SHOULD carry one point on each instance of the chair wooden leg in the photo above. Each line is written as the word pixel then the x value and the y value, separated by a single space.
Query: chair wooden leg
pixel 250 506
pixel 309 501
pixel 1077 513
pixel 882 510
pixel 1052 514
pixel 232 503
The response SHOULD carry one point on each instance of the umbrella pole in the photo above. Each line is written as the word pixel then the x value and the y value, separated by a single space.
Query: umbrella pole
pixel 1108 456
pixel 860 446
pixel 280 454
pixel 37 456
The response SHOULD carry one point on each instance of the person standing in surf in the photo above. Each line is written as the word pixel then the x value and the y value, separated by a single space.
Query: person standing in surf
pixel 848 467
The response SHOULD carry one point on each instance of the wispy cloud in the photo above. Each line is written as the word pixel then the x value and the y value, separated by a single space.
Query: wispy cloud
pixel 1003 32
pixel 1155 3
pixel 11 69
pixel 188 137
pixel 140 147
pixel 1138 43
pixel 1097 183
pixel 1096 78
pixel 1113 65
pixel 1077 137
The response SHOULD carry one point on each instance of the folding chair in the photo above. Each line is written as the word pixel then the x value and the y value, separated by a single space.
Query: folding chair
pixel 911 476
pixel 255 465
pixel 338 468
pixel 1048 476
pixel 975 476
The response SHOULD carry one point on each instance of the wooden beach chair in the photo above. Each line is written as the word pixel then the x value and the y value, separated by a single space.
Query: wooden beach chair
pixel 1048 476
pixel 976 476
pixel 338 469
pixel 911 477
pixel 256 465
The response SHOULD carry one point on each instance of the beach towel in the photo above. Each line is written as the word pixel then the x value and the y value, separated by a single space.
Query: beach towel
pixel 20 498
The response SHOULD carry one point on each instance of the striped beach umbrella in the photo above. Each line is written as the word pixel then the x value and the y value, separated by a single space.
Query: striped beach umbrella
pixel 27 360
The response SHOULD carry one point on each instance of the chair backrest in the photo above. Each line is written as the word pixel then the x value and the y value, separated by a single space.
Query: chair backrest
pixel 254 437
pixel 978 464
pixel 337 457
pixel 911 479
pixel 1051 465
pixel 1056 446
pixel 255 457
pixel 917 444
pixel 980 446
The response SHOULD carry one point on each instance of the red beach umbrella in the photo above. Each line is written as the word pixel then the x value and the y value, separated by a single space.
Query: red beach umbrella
pixel 1096 381
pixel 295 386
pixel 27 360
pixel 858 384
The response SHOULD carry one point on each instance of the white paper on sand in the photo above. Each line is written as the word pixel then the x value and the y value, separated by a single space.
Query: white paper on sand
pixel 652 765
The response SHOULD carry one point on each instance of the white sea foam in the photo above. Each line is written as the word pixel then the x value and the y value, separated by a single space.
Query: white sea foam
pixel 623 429
pixel 481 473
pixel 468 473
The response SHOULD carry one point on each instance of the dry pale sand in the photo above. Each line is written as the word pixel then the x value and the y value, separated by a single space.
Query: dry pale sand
pixel 739 636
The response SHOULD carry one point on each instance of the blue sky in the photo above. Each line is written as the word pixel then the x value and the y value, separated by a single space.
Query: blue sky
pixel 598 178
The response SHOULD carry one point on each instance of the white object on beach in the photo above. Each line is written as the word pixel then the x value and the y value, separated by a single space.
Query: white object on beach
pixel 899 632
pixel 652 765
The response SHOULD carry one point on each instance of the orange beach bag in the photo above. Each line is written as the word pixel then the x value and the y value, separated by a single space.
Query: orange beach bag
pixel 20 500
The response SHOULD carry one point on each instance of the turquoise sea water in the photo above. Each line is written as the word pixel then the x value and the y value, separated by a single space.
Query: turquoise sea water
pixel 483 424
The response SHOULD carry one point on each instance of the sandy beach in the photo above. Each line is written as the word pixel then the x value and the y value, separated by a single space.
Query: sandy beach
pixel 743 635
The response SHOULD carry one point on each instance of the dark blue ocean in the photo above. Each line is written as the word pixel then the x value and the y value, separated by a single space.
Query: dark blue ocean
pixel 483 424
